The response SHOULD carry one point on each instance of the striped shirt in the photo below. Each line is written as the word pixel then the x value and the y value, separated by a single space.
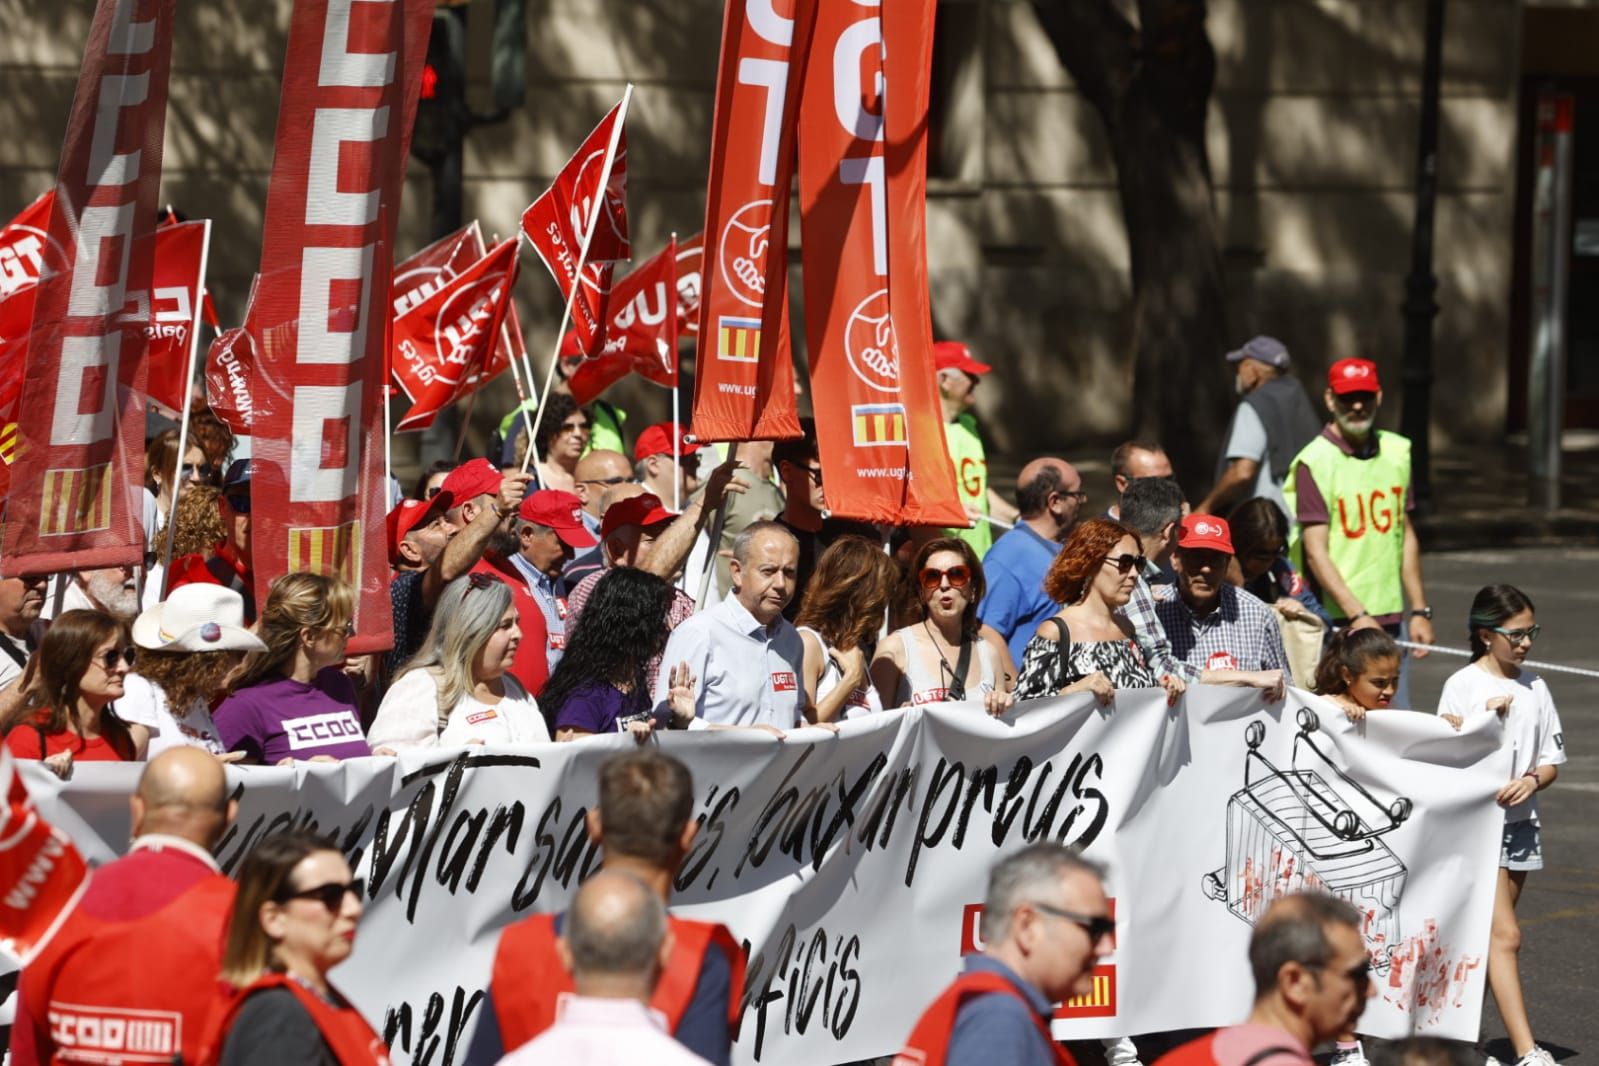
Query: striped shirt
pixel 1239 633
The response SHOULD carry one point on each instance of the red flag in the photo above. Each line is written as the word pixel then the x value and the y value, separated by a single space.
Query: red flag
pixel 229 368
pixel 444 345
pixel 744 371
pixel 440 263
pixel 863 170
pixel 689 255
pixel 171 309
pixel 642 334
pixel 321 315
pixel 556 223
pixel 41 873
pixel 80 433
pixel 26 255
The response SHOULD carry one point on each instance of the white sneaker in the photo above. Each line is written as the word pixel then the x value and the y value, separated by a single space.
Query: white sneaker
pixel 1536 1057
pixel 1123 1052
pixel 1350 1056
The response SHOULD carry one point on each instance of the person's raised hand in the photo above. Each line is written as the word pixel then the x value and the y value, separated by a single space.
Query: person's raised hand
pixel 680 693
pixel 513 488
pixel 722 480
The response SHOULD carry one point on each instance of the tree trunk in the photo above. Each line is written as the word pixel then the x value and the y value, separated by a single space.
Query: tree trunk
pixel 1151 86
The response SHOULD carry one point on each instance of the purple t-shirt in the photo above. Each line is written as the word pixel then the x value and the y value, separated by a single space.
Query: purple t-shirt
pixel 274 719
pixel 597 707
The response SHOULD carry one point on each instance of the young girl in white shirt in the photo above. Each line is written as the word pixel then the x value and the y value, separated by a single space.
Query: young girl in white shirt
pixel 1503 627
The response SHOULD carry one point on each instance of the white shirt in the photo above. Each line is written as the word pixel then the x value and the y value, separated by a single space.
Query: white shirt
pixel 1532 725
pixel 746 673
pixel 603 1032
pixel 553 607
pixel 861 702
pixel 408 717
pixel 144 703
pixel 10 669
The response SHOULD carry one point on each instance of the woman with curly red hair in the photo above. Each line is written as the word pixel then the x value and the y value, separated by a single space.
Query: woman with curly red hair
pixel 1086 646
pixel 945 656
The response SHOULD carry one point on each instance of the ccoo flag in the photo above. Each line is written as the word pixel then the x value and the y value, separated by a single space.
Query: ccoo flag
pixel 557 225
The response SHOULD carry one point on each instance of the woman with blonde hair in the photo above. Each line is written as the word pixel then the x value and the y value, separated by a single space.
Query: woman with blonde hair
pixel 294 919
pixel 458 689
pixel 68 688
pixel 843 610
pixel 292 701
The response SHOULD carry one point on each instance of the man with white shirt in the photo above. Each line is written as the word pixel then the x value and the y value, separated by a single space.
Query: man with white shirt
pixel 21 600
pixel 742 656
pixel 550 531
pixel 615 945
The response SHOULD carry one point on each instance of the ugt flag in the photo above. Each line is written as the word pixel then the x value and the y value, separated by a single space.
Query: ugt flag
pixel 591 189
pixel 642 334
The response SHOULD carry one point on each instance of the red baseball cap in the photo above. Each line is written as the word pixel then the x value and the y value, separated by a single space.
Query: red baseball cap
pixel 473 478
pixel 953 355
pixel 1353 375
pixel 644 509
pixel 408 514
pixel 562 512
pixel 657 440
pixel 1205 531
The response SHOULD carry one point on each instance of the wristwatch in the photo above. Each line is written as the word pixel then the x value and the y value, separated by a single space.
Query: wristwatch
pixel 1425 612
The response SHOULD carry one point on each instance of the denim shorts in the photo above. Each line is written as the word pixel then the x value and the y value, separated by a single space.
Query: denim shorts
pixel 1521 848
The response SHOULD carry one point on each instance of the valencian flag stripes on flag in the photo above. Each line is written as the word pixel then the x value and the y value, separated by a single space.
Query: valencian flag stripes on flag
pixel 642 334
pixel 80 435
pixel 863 176
pixel 556 222
pixel 743 369
pixel 445 345
pixel 321 314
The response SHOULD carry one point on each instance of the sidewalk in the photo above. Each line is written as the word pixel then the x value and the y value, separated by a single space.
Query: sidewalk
pixel 1479 496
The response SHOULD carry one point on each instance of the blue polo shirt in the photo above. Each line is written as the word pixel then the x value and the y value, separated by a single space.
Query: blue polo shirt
pixel 1015 601
pixel 995 1027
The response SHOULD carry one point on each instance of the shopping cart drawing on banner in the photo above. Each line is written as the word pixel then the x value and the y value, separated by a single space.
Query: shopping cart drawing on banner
pixel 1310 829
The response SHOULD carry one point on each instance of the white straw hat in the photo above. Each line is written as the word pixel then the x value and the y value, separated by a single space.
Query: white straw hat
pixel 196 617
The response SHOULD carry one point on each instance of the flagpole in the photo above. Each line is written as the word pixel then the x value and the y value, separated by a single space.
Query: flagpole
pixel 466 419
pixel 577 275
pixel 677 456
pixel 183 415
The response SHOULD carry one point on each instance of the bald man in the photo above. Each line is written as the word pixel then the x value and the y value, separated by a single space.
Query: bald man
pixel 615 945
pixel 144 945
pixel 598 472
pixel 1049 495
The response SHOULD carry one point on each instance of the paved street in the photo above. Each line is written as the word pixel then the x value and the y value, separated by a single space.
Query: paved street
pixel 1560 909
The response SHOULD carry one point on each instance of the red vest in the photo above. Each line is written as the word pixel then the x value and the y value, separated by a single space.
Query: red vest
pixel 353 1041
pixel 531 664
pixel 528 977
pixel 105 990
pixel 929 1041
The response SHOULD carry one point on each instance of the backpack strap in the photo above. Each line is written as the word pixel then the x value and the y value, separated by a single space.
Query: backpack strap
pixel 1063 647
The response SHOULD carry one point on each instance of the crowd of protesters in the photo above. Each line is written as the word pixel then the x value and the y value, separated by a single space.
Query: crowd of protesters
pixel 561 604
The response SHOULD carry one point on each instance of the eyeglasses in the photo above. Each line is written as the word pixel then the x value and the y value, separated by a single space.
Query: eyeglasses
pixel 932 578
pixel 205 470
pixel 1123 563
pixel 609 481
pixel 815 474
pixel 1360 973
pixel 330 895
pixel 347 630
pixel 240 504
pixel 1517 636
pixel 111 656
pixel 1076 494
pixel 1097 926
pixel 1266 555
pixel 433 490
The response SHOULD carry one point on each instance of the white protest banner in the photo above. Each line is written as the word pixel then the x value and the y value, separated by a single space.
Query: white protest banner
pixel 854 865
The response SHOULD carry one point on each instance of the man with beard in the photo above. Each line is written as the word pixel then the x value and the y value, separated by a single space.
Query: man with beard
pixel 1312 980
pixel 1212 624
pixel 475 490
pixel 112 589
pixel 1349 493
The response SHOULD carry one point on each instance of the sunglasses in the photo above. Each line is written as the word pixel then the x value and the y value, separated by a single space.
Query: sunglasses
pixel 815 474
pixel 1098 927
pixel 1124 563
pixel 109 658
pixel 1517 636
pixel 1360 973
pixel 330 895
pixel 204 470
pixel 240 504
pixel 433 491
pixel 574 427
pixel 932 578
